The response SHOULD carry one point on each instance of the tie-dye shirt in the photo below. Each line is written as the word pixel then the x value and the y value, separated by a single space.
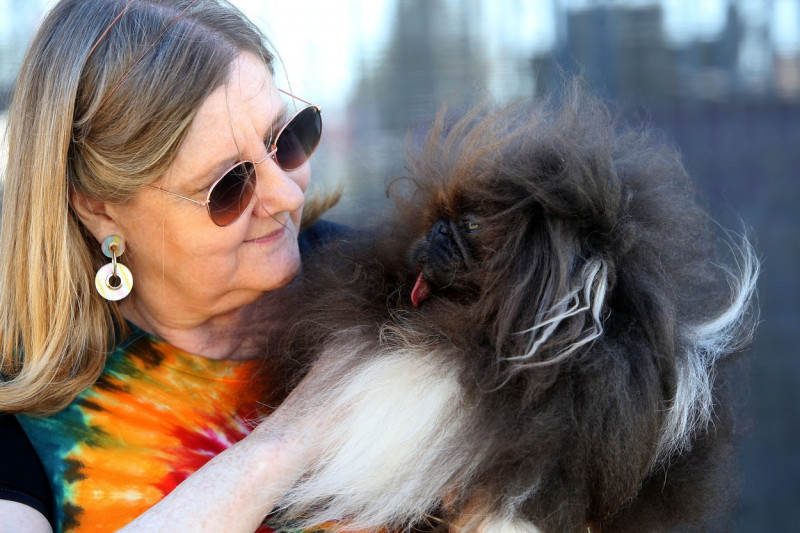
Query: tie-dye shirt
pixel 156 415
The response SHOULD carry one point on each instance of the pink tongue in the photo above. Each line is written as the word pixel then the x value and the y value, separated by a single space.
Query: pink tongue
pixel 420 291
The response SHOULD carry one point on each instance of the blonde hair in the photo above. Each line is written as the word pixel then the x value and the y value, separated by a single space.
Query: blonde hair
pixel 73 125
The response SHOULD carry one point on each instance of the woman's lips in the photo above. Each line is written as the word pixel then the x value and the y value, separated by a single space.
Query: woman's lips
pixel 269 237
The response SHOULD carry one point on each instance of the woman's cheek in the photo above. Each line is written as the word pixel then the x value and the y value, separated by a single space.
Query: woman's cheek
pixel 302 177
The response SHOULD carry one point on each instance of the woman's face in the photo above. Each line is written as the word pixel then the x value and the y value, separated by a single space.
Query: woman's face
pixel 186 269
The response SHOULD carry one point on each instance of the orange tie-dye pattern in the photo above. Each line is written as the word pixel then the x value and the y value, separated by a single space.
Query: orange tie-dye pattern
pixel 155 416
pixel 149 442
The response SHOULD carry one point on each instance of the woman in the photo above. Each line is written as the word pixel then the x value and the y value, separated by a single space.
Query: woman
pixel 148 143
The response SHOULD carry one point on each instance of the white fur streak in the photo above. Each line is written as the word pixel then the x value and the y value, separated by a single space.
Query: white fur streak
pixel 588 294
pixel 692 407
pixel 390 443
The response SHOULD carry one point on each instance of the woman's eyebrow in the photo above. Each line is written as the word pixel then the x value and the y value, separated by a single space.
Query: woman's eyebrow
pixel 277 123
pixel 205 180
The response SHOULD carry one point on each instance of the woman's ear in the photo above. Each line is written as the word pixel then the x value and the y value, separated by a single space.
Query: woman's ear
pixel 94 215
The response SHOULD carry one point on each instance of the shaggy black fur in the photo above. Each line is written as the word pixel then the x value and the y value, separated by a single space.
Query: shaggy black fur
pixel 550 202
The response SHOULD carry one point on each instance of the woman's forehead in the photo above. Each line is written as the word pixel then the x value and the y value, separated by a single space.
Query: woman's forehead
pixel 249 100
pixel 233 122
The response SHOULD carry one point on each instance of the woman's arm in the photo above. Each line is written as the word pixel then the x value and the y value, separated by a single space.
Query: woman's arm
pixel 19 518
pixel 234 491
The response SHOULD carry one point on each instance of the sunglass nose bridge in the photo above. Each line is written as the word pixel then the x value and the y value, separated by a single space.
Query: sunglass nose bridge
pixel 271 153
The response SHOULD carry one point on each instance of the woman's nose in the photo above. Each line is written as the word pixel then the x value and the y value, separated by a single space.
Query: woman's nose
pixel 277 191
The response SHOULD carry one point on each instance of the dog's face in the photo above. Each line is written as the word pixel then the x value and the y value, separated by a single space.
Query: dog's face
pixel 445 257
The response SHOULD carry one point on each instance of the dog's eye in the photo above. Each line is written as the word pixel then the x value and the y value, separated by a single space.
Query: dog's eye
pixel 470 225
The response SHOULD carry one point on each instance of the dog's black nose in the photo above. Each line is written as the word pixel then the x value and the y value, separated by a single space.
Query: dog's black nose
pixel 441 227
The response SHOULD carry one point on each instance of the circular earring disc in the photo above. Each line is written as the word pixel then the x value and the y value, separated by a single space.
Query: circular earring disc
pixel 103 282
pixel 113 239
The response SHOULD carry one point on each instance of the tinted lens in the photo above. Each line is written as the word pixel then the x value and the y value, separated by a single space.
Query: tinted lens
pixel 232 194
pixel 298 139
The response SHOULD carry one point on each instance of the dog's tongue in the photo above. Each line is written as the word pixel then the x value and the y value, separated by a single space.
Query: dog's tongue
pixel 420 292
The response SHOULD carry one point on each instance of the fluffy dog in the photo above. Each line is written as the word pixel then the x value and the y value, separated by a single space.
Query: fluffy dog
pixel 530 343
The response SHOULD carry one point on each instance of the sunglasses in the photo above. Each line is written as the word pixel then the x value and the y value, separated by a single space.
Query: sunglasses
pixel 295 143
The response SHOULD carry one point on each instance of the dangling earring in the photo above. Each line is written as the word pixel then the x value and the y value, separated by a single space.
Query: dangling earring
pixel 113 281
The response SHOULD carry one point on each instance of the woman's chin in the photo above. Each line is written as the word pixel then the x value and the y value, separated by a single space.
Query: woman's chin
pixel 279 271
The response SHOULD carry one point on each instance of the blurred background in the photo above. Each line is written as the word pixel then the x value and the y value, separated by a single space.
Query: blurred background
pixel 721 78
